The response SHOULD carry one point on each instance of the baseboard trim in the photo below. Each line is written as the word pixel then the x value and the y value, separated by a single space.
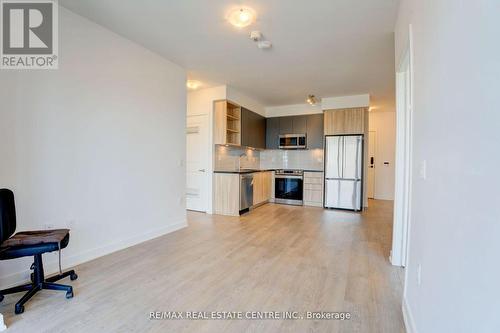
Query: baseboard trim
pixel 408 318
pixel 51 263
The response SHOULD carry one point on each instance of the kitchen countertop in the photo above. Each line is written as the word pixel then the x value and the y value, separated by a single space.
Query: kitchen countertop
pixel 241 171
pixel 255 171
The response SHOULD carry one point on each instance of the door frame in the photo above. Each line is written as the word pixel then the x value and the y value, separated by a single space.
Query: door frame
pixel 404 153
pixel 368 162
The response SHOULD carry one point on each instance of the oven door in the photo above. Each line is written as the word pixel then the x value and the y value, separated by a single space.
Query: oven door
pixel 288 189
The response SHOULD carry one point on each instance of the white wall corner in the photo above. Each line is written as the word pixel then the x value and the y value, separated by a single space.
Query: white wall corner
pixel 408 317
pixel 2 324
pixel 344 102
pixel 292 110
pixel 248 102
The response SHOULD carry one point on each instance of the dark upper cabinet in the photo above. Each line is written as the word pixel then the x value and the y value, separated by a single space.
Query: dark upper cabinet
pixel 311 125
pixel 272 133
pixel 315 129
pixel 299 124
pixel 286 125
pixel 253 129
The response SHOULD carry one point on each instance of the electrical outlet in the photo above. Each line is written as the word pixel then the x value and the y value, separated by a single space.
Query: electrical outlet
pixel 423 169
pixel 419 274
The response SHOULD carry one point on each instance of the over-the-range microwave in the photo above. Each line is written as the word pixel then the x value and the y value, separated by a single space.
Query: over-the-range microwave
pixel 293 141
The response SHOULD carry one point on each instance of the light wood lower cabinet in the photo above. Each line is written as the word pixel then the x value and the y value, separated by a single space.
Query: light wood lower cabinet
pixel 227 191
pixel 313 189
pixel 262 182
pixel 227 194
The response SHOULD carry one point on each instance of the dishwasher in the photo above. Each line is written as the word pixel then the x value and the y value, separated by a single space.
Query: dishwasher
pixel 246 192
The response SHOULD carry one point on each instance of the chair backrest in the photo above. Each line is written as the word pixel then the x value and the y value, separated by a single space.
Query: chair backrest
pixel 7 214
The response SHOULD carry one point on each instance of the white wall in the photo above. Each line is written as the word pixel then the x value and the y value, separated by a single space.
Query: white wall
pixel 97 146
pixel 200 102
pixel 344 102
pixel 292 110
pixel 248 102
pixel 384 125
pixel 455 216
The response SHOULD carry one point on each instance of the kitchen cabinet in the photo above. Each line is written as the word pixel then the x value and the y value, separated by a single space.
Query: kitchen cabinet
pixel 286 125
pixel 313 189
pixel 227 123
pixel 227 189
pixel 293 125
pixel 345 121
pixel 227 194
pixel 253 129
pixel 311 125
pixel 315 137
pixel 262 182
pixel 272 133
pixel 299 124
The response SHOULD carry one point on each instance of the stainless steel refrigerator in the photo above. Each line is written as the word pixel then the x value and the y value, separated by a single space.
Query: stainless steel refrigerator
pixel 344 172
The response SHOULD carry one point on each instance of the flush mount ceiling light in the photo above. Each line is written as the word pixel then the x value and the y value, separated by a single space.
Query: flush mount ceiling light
pixel 241 17
pixel 311 99
pixel 193 84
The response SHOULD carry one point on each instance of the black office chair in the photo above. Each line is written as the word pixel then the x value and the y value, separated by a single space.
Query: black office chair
pixel 30 243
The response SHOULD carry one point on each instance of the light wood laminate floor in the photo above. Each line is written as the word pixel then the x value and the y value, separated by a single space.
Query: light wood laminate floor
pixel 276 258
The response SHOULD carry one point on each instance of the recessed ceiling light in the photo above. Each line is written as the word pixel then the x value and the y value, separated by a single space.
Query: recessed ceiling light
pixel 241 17
pixel 193 84
pixel 311 99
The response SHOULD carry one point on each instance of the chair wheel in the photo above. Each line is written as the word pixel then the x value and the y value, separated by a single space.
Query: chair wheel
pixel 69 294
pixel 73 277
pixel 19 309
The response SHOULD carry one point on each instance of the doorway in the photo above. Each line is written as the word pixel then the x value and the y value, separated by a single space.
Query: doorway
pixel 197 163
pixel 372 137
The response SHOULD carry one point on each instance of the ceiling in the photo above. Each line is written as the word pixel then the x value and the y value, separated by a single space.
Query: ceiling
pixel 322 47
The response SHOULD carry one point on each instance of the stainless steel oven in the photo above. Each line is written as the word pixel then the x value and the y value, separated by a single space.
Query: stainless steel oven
pixel 289 187
pixel 293 141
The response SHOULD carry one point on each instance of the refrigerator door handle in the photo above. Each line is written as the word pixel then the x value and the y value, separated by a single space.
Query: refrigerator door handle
pixel 339 173
pixel 355 194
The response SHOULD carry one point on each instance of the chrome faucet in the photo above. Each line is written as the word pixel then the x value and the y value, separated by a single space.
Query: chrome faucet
pixel 239 160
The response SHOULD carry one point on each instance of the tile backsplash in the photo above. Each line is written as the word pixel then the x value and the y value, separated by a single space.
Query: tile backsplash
pixel 234 158
pixel 310 159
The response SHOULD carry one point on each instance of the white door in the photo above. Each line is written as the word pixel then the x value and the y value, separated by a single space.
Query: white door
pixel 197 162
pixel 372 136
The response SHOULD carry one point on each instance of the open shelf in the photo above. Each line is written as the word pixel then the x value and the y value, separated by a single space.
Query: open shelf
pixel 231 117
pixel 228 123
